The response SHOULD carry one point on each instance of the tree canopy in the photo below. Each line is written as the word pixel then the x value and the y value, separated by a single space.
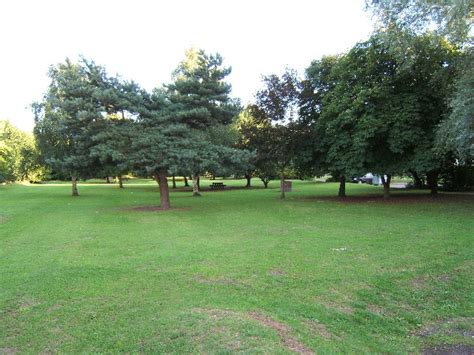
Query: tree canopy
pixel 278 101
pixel 372 109
pixel 200 99
pixel 451 18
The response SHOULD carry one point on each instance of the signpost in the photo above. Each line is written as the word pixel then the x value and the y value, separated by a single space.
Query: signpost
pixel 287 186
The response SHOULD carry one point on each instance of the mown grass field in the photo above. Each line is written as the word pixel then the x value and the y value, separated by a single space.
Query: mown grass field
pixel 233 271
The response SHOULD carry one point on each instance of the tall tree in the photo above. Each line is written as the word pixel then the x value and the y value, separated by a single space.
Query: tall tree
pixel 113 134
pixel 456 134
pixel 160 145
pixel 66 118
pixel 430 82
pixel 201 100
pixel 381 115
pixel 399 19
pixel 313 153
pixel 278 100
pixel 256 136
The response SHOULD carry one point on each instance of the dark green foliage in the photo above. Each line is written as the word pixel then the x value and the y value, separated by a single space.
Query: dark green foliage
pixel 258 135
pixel 456 134
pixel 113 143
pixel 199 98
pixel 158 140
pixel 89 124
pixel 451 19
pixel 114 133
pixel 380 114
pixel 458 178
pixel 279 96
pixel 312 148
pixel 84 124
pixel 199 92
pixel 68 116
pixel 277 102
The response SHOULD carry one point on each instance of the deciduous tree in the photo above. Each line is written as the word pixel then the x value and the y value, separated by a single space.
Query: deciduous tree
pixel 278 100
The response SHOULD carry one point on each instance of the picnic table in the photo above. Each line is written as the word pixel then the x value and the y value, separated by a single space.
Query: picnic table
pixel 217 186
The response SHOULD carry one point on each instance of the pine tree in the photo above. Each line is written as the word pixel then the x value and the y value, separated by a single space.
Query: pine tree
pixel 159 144
pixel 200 100
pixel 66 118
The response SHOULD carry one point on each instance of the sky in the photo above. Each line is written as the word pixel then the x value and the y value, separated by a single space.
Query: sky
pixel 144 40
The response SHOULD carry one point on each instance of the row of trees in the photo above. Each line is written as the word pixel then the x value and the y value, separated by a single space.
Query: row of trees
pixel 367 110
pixel 399 103
pixel 90 124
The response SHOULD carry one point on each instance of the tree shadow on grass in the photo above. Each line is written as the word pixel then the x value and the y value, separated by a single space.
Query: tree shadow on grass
pixel 396 198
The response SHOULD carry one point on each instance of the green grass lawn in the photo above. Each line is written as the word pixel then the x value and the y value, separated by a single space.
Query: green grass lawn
pixel 233 271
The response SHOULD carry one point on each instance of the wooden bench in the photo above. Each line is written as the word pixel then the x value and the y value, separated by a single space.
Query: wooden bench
pixel 217 186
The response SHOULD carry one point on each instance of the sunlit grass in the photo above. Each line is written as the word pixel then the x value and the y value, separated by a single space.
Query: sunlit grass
pixel 235 270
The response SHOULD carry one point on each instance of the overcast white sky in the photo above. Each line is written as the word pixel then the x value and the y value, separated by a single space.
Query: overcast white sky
pixel 144 40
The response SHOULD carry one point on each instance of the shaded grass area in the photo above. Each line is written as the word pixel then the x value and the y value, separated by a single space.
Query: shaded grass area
pixel 232 271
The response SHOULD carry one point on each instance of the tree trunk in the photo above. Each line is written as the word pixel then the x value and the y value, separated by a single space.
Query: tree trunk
pixel 432 180
pixel 249 180
pixel 282 189
pixel 265 182
pixel 186 183
pixel 74 186
pixel 120 180
pixel 161 179
pixel 199 181
pixel 174 181
pixel 342 186
pixel 386 185
pixel 196 185
pixel 107 179
pixel 418 182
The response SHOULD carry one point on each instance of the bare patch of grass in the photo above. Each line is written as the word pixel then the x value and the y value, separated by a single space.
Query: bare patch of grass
pixel 289 341
pixel 456 326
pixel 338 300
pixel 458 349
pixel 26 303
pixel 338 307
pixel 421 282
pixel 372 308
pixel 276 272
pixel 216 313
pixel 320 329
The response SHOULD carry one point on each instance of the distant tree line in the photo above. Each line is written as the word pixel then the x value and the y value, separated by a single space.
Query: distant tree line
pixel 19 156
